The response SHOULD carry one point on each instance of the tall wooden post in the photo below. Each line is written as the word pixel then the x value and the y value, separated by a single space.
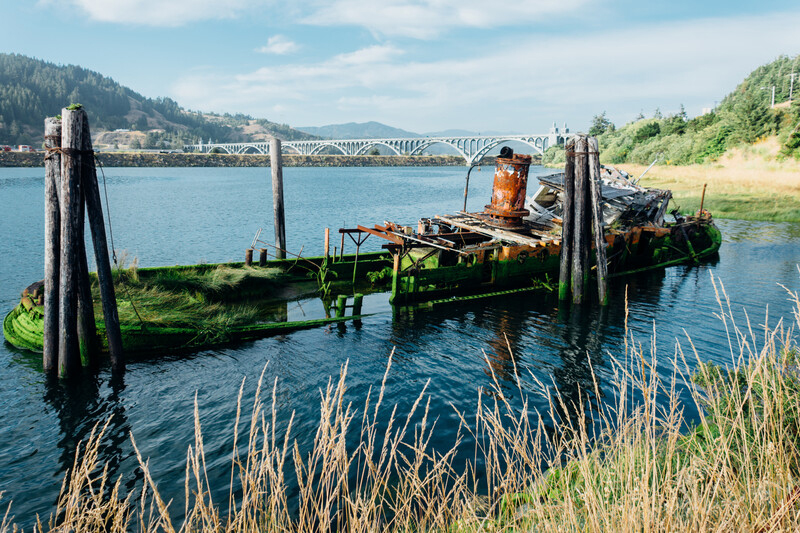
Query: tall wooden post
pixel 580 249
pixel 276 163
pixel 597 220
pixel 52 243
pixel 94 210
pixel 566 222
pixel 327 242
pixel 71 161
pixel 87 328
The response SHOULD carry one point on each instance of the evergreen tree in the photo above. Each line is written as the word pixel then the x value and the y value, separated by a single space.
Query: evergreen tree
pixel 600 124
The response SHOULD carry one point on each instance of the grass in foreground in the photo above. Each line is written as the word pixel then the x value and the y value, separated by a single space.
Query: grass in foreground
pixel 747 185
pixel 736 470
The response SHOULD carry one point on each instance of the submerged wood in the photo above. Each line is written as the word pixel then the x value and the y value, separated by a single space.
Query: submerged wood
pixel 52 243
pixel 94 210
pixel 71 160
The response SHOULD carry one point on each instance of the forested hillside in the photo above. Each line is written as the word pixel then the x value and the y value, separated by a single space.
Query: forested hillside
pixel 31 89
pixel 743 117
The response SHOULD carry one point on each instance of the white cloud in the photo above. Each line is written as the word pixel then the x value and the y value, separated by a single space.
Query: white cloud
pixel 162 12
pixel 425 19
pixel 536 80
pixel 278 45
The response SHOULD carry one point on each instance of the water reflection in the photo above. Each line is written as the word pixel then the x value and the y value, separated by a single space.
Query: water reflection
pixel 581 328
pixel 82 406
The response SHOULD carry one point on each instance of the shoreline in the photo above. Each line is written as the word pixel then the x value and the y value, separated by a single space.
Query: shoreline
pixel 749 189
pixel 149 159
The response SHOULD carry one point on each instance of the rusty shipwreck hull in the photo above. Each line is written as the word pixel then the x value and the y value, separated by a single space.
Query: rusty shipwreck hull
pixel 478 263
pixel 516 241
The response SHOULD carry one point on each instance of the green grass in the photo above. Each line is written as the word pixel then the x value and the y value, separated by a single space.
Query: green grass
pixel 201 300
pixel 768 208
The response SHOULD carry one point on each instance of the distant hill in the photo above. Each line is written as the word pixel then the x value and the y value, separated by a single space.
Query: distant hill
pixel 363 130
pixel 466 133
pixel 376 130
pixel 31 90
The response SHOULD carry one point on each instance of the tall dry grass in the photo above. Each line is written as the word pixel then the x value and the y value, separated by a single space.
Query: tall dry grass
pixel 749 184
pixel 637 469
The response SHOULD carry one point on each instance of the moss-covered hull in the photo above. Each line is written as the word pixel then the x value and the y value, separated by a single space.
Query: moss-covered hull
pixel 293 279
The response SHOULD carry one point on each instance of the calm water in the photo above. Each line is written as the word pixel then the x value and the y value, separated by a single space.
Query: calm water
pixel 180 216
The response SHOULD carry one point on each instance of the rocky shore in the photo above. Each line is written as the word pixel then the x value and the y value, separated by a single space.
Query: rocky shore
pixel 149 159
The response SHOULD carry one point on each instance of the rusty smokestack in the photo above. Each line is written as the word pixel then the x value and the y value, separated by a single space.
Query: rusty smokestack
pixel 509 189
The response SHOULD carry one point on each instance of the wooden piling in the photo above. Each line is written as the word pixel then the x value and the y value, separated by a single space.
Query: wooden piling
pixel 395 274
pixel 327 242
pixel 71 160
pixel 341 304
pixel 248 257
pixel 276 163
pixel 87 328
pixel 566 222
pixel 262 257
pixel 94 212
pixel 597 221
pixel 702 200
pixel 580 248
pixel 52 242
pixel 358 300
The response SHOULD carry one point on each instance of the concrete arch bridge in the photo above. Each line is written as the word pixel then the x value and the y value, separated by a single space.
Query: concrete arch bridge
pixel 472 149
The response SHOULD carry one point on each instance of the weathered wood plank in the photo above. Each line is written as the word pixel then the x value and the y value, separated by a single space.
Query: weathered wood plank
pixel 507 236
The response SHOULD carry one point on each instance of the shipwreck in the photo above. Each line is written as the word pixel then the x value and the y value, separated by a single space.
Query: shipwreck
pixel 519 242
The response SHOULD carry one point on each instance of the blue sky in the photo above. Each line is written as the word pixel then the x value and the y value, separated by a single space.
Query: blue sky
pixel 421 65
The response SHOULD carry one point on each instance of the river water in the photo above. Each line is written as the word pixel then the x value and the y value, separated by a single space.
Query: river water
pixel 182 216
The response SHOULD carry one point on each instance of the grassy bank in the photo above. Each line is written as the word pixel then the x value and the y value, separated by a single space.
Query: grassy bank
pixel 744 184
pixel 639 469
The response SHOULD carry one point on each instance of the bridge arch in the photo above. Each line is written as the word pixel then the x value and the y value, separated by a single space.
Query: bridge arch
pixel 497 142
pixel 250 149
pixel 363 149
pixel 219 149
pixel 425 144
pixel 319 148
pixel 287 147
